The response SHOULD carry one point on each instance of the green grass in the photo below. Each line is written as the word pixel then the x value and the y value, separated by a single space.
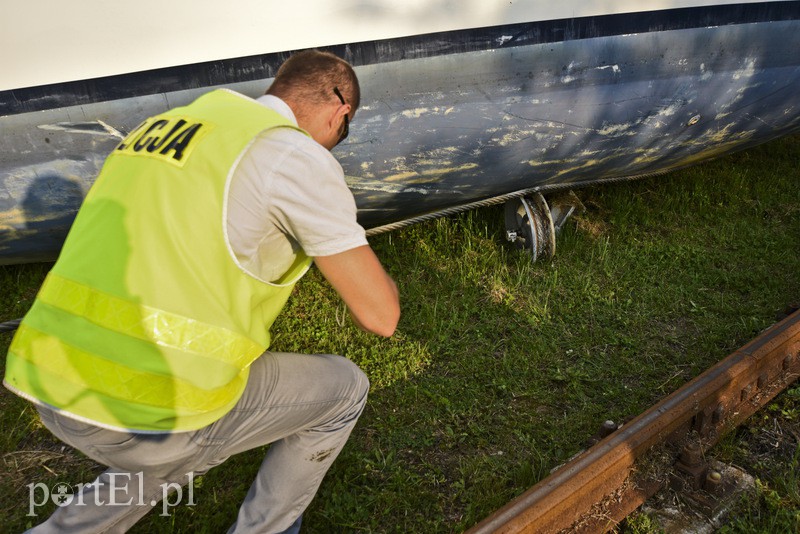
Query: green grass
pixel 502 369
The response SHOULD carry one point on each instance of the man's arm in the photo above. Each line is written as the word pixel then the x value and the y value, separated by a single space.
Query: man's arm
pixel 365 287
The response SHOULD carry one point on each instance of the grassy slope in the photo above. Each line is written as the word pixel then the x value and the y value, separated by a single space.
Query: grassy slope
pixel 501 370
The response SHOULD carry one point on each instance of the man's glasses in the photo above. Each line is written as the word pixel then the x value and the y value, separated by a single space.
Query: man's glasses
pixel 346 130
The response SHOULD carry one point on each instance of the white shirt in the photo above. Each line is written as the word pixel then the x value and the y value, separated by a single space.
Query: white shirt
pixel 288 193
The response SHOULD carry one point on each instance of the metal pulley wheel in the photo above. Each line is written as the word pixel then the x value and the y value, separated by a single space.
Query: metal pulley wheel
pixel 529 225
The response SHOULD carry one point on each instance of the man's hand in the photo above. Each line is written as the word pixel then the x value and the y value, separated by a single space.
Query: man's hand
pixel 367 290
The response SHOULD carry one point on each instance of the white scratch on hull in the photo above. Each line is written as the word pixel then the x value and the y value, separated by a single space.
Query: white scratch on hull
pixel 89 128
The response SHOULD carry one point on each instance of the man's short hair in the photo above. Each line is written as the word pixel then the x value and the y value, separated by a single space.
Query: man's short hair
pixel 311 75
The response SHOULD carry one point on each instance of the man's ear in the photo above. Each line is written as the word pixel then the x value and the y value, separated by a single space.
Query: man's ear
pixel 338 116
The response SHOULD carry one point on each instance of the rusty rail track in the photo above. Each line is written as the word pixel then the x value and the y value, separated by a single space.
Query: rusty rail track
pixel 601 486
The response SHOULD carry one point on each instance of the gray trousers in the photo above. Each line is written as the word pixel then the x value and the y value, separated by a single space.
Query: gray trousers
pixel 306 406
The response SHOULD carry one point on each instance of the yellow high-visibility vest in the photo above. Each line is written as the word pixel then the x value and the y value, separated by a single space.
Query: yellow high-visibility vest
pixel 147 322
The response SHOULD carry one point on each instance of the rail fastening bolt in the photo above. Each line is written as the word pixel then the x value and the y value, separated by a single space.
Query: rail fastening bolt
pixel 691 455
pixel 713 482
pixel 762 381
pixel 607 428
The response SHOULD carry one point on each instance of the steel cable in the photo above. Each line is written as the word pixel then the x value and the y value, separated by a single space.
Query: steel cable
pixel 10 326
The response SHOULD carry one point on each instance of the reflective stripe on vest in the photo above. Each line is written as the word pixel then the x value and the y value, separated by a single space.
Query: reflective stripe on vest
pixel 149 324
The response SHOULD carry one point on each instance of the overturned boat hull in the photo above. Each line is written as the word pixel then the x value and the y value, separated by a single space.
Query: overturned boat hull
pixel 450 119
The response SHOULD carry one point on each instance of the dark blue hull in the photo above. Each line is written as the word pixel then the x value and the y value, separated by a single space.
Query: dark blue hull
pixel 452 119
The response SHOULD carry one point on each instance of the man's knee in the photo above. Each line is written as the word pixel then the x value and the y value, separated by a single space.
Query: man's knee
pixel 357 387
pixel 361 381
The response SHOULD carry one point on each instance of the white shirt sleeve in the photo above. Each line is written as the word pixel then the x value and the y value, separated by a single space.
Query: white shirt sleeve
pixel 309 199
pixel 288 193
